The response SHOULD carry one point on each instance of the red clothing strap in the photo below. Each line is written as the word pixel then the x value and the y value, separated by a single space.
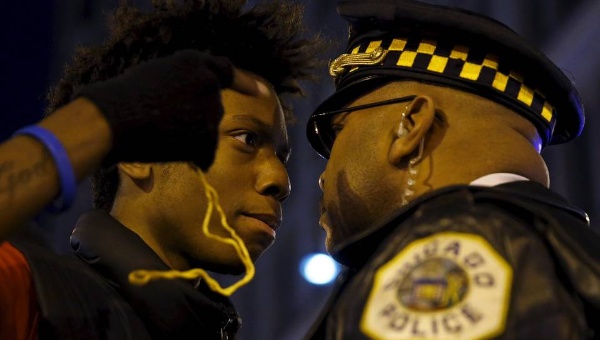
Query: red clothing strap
pixel 19 311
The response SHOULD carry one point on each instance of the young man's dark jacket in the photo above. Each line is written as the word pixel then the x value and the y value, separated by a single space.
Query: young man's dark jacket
pixel 515 261
pixel 89 297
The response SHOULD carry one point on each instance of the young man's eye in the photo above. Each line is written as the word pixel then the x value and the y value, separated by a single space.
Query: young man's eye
pixel 248 138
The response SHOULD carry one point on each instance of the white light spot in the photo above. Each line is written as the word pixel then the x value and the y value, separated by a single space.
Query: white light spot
pixel 319 269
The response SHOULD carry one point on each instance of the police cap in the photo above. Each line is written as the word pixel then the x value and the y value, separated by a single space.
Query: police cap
pixel 392 40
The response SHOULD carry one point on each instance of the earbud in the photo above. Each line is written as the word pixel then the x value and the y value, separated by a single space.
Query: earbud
pixel 402 131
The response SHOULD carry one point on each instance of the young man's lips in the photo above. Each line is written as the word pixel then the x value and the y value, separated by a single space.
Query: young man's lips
pixel 271 220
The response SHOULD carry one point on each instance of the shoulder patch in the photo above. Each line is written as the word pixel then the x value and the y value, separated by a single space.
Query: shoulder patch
pixel 448 285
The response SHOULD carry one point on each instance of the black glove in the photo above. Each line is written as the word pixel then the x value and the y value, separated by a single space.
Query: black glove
pixel 166 109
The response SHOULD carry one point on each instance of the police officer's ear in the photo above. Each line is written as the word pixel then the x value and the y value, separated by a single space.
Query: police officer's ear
pixel 138 173
pixel 413 125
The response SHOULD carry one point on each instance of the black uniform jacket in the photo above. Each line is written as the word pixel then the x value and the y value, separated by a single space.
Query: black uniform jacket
pixel 87 296
pixel 515 261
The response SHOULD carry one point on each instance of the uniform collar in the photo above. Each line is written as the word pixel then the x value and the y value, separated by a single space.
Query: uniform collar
pixel 498 178
pixel 357 250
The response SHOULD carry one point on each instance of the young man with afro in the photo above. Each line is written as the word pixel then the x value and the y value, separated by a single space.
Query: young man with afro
pixel 146 110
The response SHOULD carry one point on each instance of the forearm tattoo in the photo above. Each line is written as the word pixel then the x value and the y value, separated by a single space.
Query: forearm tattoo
pixel 14 177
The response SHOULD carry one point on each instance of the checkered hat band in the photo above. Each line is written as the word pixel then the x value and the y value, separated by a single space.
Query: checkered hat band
pixel 459 62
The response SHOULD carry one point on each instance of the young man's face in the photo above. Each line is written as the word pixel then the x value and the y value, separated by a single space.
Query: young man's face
pixel 251 180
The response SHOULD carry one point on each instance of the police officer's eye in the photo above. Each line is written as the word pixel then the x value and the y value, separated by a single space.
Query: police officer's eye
pixel 337 124
pixel 248 138
pixel 336 129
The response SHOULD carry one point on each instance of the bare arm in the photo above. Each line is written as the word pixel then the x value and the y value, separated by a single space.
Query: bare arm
pixel 28 177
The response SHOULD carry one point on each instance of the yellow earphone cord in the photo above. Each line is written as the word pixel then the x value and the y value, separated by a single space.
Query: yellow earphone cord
pixel 141 276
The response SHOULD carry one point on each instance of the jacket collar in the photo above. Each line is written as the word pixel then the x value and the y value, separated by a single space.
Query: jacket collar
pixel 168 307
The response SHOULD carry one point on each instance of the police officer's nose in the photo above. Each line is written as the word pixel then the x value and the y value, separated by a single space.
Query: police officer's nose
pixel 321 182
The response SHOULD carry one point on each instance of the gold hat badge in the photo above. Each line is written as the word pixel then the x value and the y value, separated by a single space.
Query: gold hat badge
pixel 338 66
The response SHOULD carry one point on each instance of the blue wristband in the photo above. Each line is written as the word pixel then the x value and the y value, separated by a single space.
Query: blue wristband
pixel 68 182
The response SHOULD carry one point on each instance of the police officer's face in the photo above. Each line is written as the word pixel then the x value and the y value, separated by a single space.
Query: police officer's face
pixel 357 192
pixel 250 177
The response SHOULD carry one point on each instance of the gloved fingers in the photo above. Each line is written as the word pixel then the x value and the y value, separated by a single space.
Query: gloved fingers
pixel 245 83
pixel 228 76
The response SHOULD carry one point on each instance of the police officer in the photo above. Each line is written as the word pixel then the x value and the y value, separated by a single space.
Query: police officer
pixel 435 196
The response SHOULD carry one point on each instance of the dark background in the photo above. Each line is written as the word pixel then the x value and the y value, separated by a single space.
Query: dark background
pixel 38 38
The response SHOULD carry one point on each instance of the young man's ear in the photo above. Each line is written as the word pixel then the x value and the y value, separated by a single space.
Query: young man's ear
pixel 412 127
pixel 135 170
pixel 139 174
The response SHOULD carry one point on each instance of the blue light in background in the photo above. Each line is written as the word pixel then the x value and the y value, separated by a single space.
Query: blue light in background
pixel 319 269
